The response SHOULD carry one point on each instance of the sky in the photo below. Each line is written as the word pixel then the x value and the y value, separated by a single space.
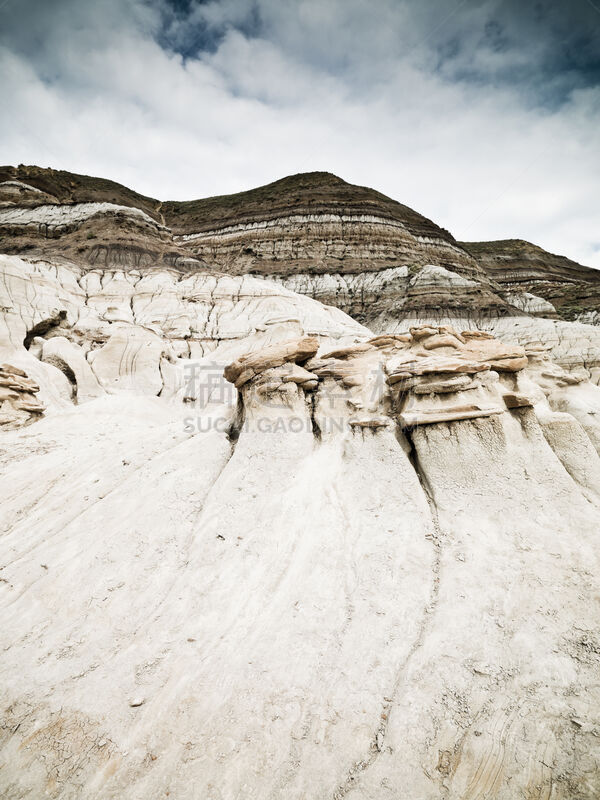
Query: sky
pixel 484 115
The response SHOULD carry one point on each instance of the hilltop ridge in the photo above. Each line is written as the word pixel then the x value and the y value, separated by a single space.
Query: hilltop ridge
pixel 345 245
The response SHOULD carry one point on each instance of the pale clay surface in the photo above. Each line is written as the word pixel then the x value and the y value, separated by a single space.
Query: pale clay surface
pixel 369 571
pixel 60 215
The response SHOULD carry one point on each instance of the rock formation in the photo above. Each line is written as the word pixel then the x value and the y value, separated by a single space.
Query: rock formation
pixel 533 274
pixel 347 246
pixel 312 223
pixel 48 213
pixel 88 332
pixel 18 403
pixel 252 547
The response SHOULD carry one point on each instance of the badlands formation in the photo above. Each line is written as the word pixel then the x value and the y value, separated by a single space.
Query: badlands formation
pixel 300 499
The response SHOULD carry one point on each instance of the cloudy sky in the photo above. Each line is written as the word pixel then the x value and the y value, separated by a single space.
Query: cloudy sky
pixel 482 114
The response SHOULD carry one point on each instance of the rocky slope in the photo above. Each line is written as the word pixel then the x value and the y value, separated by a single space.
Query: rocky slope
pixel 249 549
pixel 92 221
pixel 572 290
pixel 344 245
pixel 304 223
pixel 313 222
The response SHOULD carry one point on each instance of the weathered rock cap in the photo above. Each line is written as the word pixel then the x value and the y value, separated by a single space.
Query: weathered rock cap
pixel 398 370
pixel 411 419
pixel 390 340
pixel 350 351
pixel 13 370
pixel 513 400
pixel 477 335
pixel 18 403
pixel 248 366
pixel 14 378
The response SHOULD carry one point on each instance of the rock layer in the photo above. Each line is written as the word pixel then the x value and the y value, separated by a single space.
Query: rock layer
pixel 344 245
pixel 572 289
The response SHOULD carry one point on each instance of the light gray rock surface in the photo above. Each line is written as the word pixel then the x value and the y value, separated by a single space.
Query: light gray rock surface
pixel 249 549
pixel 371 570
pixel 63 216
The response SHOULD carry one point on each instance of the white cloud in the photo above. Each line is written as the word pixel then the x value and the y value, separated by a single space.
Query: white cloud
pixel 350 87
